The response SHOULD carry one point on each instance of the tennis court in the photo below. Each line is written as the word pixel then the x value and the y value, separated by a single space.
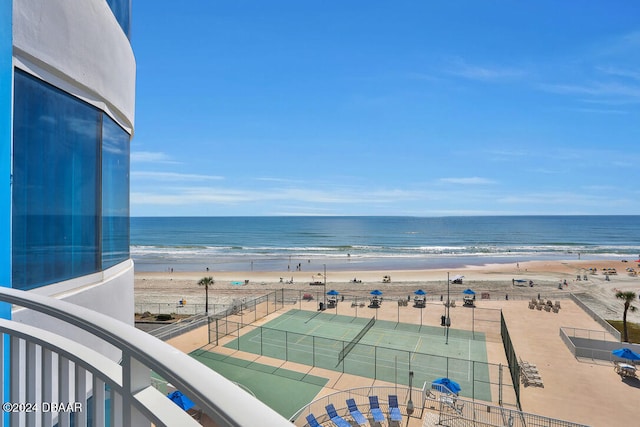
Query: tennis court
pixel 295 389
pixel 382 350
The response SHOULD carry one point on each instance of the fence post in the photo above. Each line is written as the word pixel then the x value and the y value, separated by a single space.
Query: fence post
pixel 500 384
pixel 268 303
pixel 375 362
pixel 473 380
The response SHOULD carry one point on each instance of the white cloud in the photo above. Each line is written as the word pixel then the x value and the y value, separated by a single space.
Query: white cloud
pixel 343 200
pixel 467 181
pixel 564 201
pixel 151 157
pixel 173 176
pixel 459 67
pixel 596 89
pixel 621 72
pixel 600 111
pixel 313 198
pixel 271 179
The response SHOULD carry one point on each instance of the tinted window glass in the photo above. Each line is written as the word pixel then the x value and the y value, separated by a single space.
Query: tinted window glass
pixel 56 192
pixel 115 193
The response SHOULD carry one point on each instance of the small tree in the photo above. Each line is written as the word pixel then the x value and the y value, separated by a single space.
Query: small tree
pixel 628 297
pixel 206 282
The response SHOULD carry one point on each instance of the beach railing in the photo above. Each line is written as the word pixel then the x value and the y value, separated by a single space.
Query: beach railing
pixel 180 327
pixel 606 325
pixel 361 396
pixel 593 345
pixel 454 411
pixel 447 408
pixel 189 309
pixel 46 367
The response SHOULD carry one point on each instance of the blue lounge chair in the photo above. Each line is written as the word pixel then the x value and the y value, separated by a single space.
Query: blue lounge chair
pixel 335 418
pixel 394 411
pixel 355 413
pixel 374 409
pixel 311 420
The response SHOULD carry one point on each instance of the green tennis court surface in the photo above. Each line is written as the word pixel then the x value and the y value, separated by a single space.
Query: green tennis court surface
pixel 283 390
pixel 387 351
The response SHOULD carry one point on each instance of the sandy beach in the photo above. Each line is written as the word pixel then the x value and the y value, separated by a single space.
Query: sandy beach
pixel 500 281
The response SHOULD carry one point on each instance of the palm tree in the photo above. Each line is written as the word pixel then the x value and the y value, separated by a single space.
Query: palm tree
pixel 628 297
pixel 206 282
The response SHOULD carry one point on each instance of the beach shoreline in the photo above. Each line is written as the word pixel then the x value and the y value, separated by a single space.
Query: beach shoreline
pixel 499 280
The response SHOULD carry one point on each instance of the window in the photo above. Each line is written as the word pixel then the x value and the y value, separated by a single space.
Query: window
pixel 115 194
pixel 59 207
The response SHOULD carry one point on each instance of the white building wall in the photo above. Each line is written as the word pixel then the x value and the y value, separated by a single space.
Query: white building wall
pixel 78 46
pixel 109 292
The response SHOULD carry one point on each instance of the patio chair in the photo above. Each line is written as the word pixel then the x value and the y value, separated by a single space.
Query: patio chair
pixel 355 413
pixel 451 403
pixel 374 409
pixel 335 418
pixel 394 410
pixel 312 421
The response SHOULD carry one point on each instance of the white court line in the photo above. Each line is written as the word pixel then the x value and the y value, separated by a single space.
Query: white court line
pixel 416 347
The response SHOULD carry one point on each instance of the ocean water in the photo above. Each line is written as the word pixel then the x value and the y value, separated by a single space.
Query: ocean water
pixel 373 243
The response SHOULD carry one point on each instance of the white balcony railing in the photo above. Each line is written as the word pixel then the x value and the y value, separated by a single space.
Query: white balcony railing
pixel 46 370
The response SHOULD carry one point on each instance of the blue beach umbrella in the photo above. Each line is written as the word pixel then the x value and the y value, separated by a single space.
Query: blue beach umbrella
pixel 625 353
pixel 468 292
pixel 333 292
pixel 376 292
pixel 181 400
pixel 450 385
pixel 420 292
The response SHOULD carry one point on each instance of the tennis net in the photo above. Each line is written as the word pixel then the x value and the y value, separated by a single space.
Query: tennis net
pixel 347 348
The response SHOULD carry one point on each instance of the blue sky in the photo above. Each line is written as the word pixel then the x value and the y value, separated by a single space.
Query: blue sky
pixel 424 108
